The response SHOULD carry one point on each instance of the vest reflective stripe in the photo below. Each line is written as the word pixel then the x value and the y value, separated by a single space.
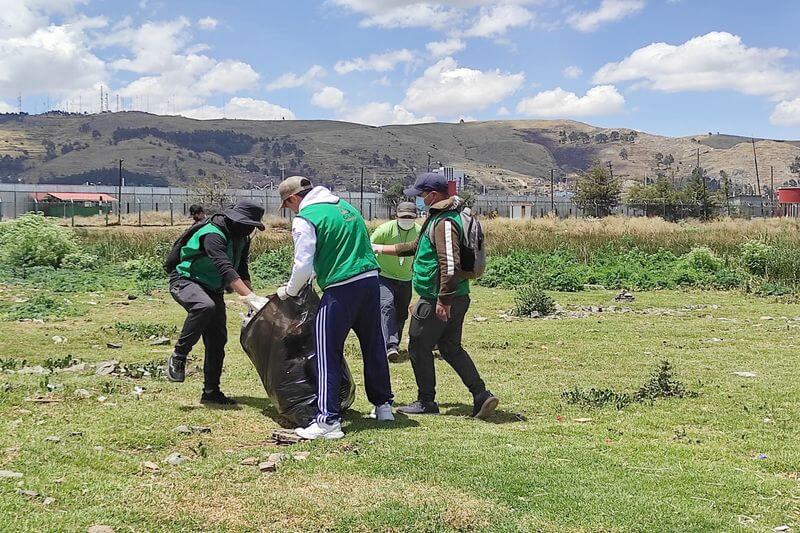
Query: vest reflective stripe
pixel 426 278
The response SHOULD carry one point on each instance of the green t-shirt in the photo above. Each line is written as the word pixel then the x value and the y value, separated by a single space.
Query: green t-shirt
pixel 343 249
pixel 397 268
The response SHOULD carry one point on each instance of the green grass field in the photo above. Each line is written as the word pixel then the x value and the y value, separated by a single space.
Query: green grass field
pixel 687 464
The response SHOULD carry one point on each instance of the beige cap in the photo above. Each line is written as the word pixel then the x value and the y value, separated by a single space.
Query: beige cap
pixel 293 185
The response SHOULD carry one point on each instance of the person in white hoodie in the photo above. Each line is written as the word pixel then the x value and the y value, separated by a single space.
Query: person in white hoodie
pixel 331 241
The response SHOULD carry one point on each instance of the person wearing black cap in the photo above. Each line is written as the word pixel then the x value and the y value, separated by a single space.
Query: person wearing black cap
pixel 212 260
pixel 395 275
pixel 438 317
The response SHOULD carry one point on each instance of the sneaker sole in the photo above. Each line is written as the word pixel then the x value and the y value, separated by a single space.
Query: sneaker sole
pixel 174 379
pixel 334 435
pixel 488 408
pixel 415 413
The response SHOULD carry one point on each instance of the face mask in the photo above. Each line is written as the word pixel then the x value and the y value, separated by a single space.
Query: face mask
pixel 405 223
pixel 241 230
pixel 421 204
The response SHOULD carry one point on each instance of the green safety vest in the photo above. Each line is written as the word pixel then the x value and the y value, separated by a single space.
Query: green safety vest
pixel 343 249
pixel 426 261
pixel 197 266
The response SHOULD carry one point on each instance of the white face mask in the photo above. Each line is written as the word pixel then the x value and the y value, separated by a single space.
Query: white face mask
pixel 405 223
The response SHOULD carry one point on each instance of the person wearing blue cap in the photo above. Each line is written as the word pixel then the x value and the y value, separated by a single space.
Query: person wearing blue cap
pixel 438 316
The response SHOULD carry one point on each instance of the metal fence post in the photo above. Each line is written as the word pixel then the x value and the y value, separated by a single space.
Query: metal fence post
pixel 1 209
pixel 72 204
pixel 171 215
pixel 140 212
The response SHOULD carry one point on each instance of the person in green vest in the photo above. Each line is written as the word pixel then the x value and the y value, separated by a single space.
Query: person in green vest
pixel 331 241
pixel 395 275
pixel 213 259
pixel 438 317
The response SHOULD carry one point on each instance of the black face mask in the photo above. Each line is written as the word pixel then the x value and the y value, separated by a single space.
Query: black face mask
pixel 240 230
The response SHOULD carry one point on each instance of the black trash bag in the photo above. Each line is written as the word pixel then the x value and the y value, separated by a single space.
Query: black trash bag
pixel 279 340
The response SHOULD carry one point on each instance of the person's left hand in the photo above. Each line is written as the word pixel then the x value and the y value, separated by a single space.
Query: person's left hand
pixel 442 311
pixel 282 294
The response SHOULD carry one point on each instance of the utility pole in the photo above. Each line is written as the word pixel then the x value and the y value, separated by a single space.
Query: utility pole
pixel 429 161
pixel 552 193
pixel 755 159
pixel 698 158
pixel 362 188
pixel 283 172
pixel 119 195
pixel 611 169
pixel 772 183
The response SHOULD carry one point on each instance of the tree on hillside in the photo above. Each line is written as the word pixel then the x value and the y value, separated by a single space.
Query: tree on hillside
pixel 598 192
pixel 794 167
pixel 211 193
pixel 623 154
pixel 394 193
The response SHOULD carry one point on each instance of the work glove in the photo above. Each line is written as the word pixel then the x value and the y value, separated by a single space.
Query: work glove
pixel 282 294
pixel 255 302
pixel 377 248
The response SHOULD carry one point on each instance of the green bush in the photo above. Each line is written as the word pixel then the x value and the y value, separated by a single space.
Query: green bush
pixel 272 267
pixel 33 240
pixel 531 300
pixel 756 257
pixel 41 306
pixel 81 261
pixel 144 330
pixel 145 269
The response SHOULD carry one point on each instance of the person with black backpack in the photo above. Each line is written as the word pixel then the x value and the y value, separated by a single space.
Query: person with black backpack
pixel 448 252
pixel 207 259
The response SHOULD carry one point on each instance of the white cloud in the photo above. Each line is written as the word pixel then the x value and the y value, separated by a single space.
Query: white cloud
pixel 382 113
pixel 155 45
pixel 54 59
pixel 227 77
pixel 20 18
pixel 503 112
pixel 6 108
pixel 241 108
pixel 383 81
pixel 445 48
pixel 436 14
pixel 208 23
pixel 558 103
pixel 447 89
pixel 609 11
pixel 328 98
pixel 572 72
pixel 290 80
pixel 378 62
pixel 496 20
pixel 787 113
pixel 717 61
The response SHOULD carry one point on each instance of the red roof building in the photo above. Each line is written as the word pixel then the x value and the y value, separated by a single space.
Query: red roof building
pixel 72 197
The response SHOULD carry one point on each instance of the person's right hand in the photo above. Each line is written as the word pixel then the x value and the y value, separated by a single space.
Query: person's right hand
pixel 377 249
pixel 255 302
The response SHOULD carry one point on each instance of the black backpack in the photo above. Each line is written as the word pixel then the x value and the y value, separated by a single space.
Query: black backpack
pixel 174 256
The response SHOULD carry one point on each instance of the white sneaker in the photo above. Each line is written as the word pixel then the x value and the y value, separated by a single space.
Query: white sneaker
pixel 320 430
pixel 382 412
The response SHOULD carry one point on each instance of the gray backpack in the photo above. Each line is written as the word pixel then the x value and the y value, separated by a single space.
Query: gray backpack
pixel 472 245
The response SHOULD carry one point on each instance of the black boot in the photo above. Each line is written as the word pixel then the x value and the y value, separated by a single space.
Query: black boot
pixel 216 396
pixel 484 405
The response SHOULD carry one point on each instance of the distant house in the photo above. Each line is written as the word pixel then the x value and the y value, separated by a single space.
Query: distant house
pixel 61 204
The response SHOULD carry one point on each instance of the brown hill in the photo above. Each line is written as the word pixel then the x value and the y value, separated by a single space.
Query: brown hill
pixel 513 156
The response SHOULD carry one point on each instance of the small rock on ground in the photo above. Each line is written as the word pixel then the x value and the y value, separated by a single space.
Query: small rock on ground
pixel 100 529
pixel 151 466
pixel 160 341
pixel 174 459
pixel 300 456
pixel 249 461
pixel 183 430
pixel 9 474
pixel 268 466
pixel 106 368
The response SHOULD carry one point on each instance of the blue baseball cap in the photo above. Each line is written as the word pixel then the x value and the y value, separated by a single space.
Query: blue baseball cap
pixel 430 181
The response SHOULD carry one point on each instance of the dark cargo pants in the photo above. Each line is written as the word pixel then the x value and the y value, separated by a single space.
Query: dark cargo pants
pixel 207 319
pixel 425 332
pixel 395 298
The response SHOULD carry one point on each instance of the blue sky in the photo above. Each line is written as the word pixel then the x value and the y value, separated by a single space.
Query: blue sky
pixel 674 67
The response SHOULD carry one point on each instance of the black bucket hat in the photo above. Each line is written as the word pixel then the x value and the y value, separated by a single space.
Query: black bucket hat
pixel 245 212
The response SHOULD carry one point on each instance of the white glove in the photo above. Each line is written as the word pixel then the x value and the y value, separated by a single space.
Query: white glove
pixel 255 302
pixel 377 248
pixel 282 294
